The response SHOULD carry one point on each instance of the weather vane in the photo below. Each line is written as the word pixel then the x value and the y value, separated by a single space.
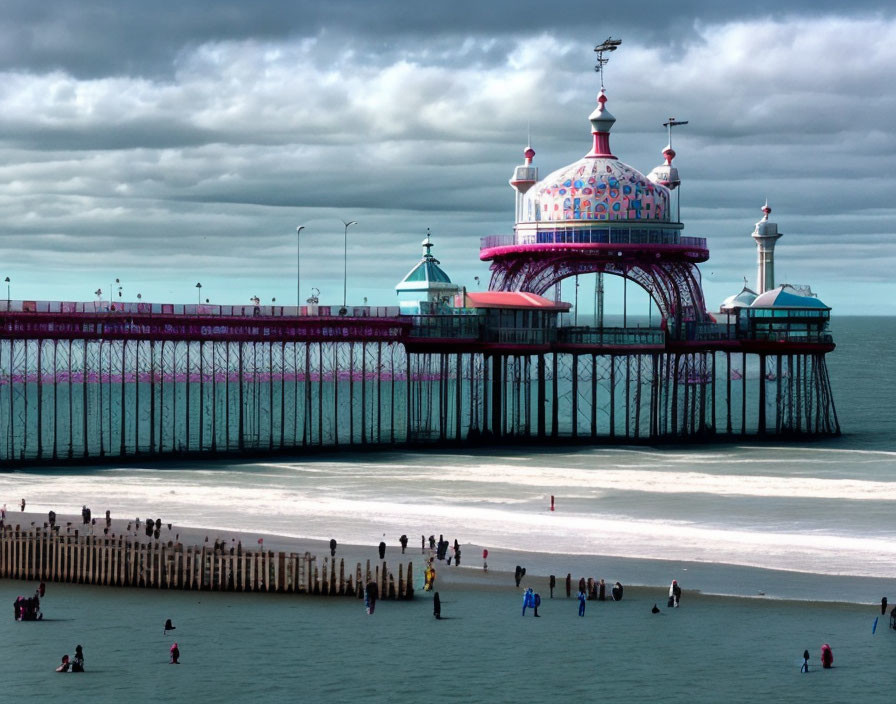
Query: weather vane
pixel 673 123
pixel 609 44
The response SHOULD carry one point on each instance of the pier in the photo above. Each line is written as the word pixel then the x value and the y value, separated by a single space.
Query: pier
pixel 49 555
pixel 79 382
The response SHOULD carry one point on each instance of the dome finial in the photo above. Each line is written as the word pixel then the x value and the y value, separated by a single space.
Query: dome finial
pixel 427 245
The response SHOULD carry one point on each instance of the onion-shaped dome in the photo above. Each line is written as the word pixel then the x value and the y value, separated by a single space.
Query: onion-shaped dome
pixel 596 189
pixel 598 186
pixel 786 296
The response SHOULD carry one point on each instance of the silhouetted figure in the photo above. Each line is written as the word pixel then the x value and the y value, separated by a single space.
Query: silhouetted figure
pixel 51 516
pixel 78 660
pixel 883 606
pixel 518 574
pixel 404 543
pixel 332 547
pixel 63 667
pixel 805 667
pixel 553 584
pixel 674 593
pixel 536 603
pixel 168 626
pixel 42 589
pixel 422 544
pixel 436 606
pixel 382 550
pixel 827 656
pixel 655 609
pixel 568 585
pixel 175 654
pixel 371 594
pixel 23 508
pixel 432 542
pixel 893 618
pixel 616 592
pixel 457 557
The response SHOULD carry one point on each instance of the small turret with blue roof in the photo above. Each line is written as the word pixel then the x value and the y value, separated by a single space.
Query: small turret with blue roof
pixel 426 288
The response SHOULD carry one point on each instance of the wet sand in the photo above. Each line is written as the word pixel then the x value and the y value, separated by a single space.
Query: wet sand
pixel 271 647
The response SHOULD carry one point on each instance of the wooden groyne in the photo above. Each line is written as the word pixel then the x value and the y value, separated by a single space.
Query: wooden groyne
pixel 50 556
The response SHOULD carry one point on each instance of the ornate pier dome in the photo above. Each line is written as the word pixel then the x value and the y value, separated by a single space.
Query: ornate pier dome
pixel 597 187
pixel 600 215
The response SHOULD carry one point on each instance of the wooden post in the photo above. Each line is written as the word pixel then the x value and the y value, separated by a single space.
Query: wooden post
pixel 341 576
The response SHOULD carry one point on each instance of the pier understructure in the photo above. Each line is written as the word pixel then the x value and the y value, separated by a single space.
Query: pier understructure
pixel 80 383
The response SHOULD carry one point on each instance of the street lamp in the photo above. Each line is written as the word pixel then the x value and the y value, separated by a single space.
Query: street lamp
pixel 198 293
pixel 298 266
pixel 7 293
pixel 345 259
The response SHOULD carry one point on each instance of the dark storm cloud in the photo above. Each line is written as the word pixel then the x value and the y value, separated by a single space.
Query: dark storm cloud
pixel 92 38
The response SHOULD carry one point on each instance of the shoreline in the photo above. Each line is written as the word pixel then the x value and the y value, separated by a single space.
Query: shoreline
pixel 643 575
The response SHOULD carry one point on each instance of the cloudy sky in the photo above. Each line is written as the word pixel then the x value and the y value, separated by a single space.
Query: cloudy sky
pixel 170 143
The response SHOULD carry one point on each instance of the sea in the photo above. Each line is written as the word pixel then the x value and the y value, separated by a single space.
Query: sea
pixel 802 532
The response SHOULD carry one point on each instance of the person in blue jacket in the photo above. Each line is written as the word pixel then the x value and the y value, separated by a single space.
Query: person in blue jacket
pixel 582 599
pixel 528 599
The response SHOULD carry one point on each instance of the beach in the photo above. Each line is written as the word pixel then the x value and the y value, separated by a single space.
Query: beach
pixel 280 647
pixel 270 647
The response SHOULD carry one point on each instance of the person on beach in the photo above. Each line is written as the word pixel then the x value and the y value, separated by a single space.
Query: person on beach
pixel 432 542
pixel 78 661
pixel 805 667
pixel 568 585
pixel 582 587
pixel 168 626
pixel 437 606
pixel 655 609
pixel 674 593
pixel 429 576
pixel 518 574
pixel 175 654
pixel 371 593
pixel 332 547
pixel 553 584
pixel 536 602
pixel 893 618
pixel 583 597
pixel 23 508
pixel 827 657
pixel 883 606
pixel 616 592
pixel 528 599
pixel 485 560
pixel 404 543
pixel 63 667
pixel 42 589
pixel 457 556
pixel 382 550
